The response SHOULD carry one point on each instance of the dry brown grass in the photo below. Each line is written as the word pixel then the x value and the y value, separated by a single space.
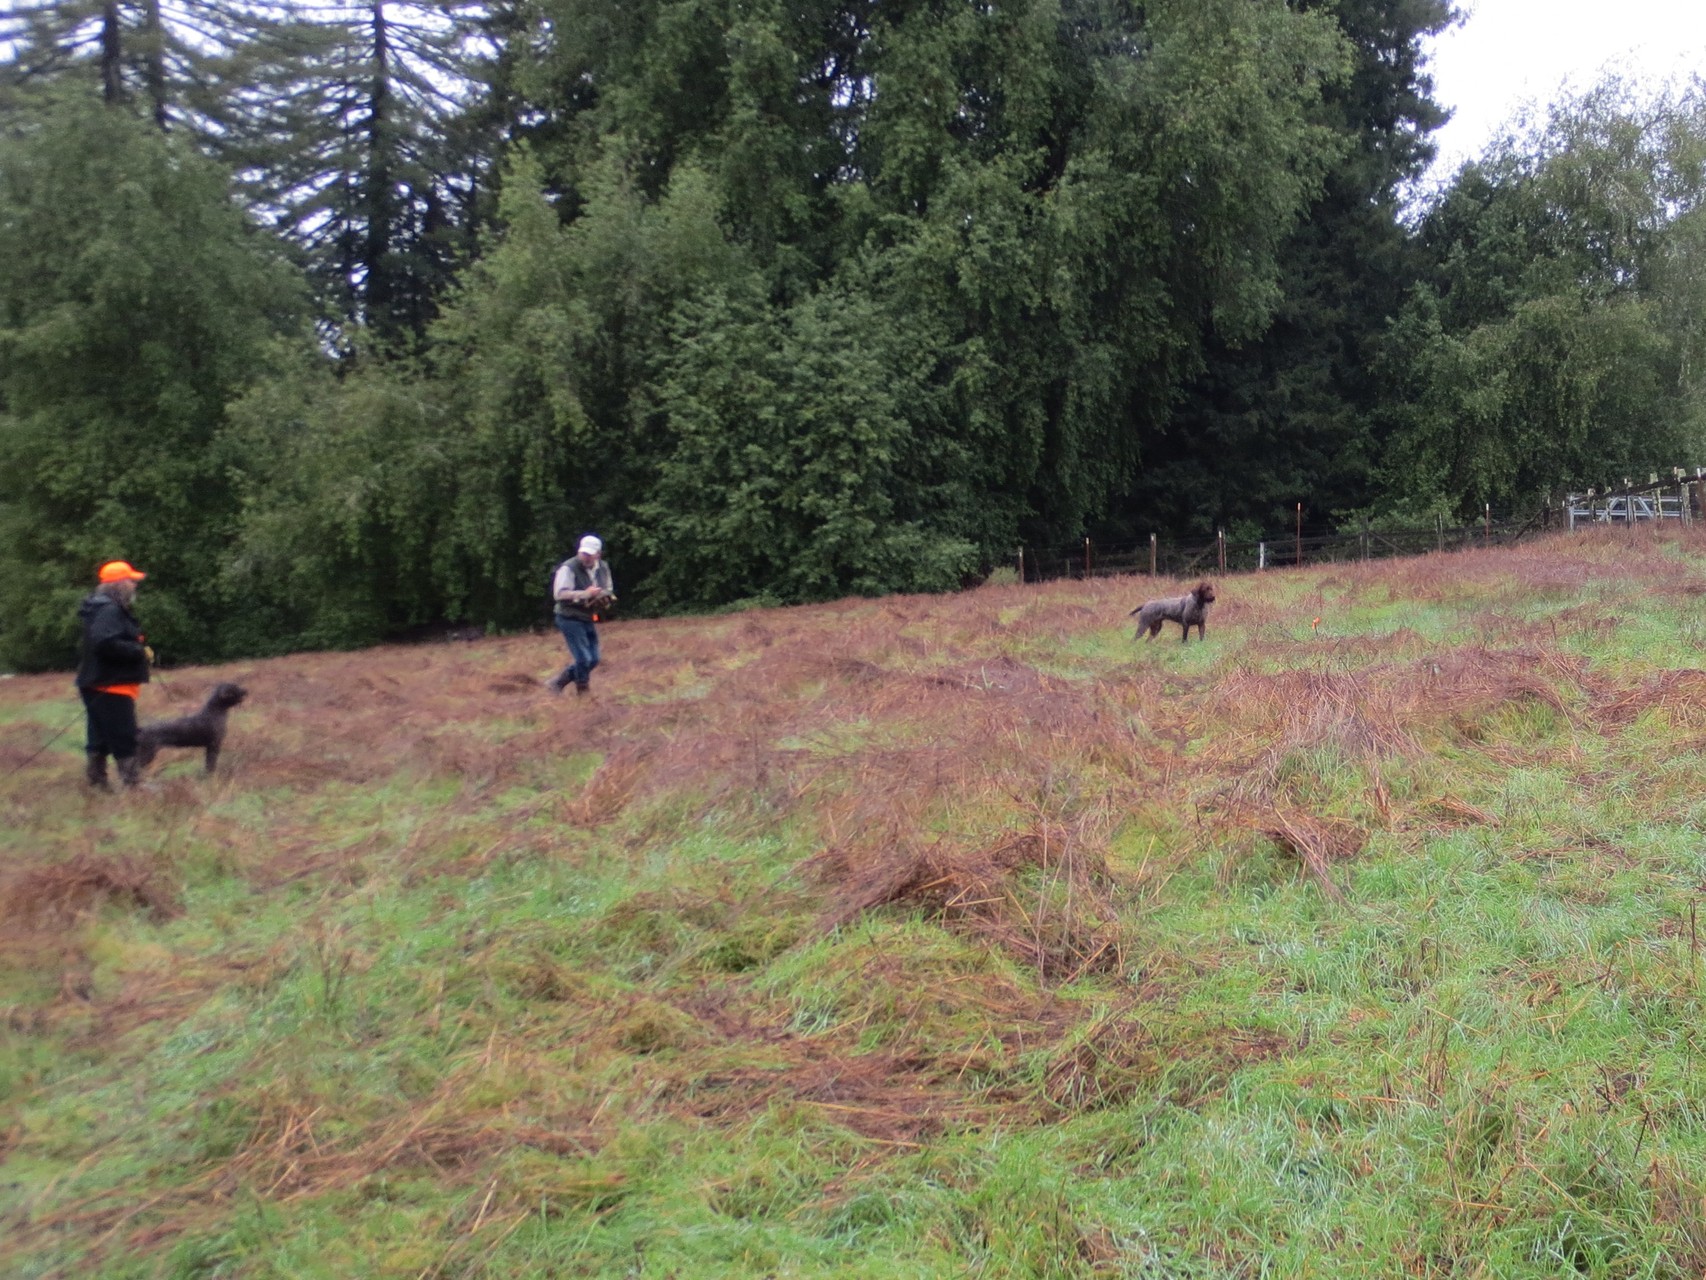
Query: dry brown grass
pixel 987 717
pixel 1314 841
pixel 51 893
pixel 914 711
pixel 941 758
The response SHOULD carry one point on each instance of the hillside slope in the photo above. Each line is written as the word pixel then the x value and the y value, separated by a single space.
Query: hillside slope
pixel 913 937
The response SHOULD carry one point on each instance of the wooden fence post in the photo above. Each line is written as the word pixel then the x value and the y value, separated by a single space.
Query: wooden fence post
pixel 1261 555
pixel 1299 535
pixel 1086 557
pixel 1220 539
pixel 1487 538
pixel 1152 555
pixel 1021 565
pixel 1439 532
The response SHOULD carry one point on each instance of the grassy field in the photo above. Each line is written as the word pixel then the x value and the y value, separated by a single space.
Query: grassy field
pixel 952 936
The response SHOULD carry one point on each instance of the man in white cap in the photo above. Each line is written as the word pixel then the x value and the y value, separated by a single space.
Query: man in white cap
pixel 582 584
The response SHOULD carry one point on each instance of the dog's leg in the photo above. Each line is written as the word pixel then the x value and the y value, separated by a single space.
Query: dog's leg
pixel 212 761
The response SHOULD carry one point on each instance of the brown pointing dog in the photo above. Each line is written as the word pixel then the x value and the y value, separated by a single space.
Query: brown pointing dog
pixel 1189 610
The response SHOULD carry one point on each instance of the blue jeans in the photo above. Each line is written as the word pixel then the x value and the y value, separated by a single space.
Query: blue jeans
pixel 582 639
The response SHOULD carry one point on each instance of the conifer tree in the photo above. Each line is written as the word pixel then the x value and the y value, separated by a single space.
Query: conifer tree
pixel 1295 413
pixel 356 129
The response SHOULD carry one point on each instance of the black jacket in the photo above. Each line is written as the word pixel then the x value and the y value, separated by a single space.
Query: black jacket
pixel 112 645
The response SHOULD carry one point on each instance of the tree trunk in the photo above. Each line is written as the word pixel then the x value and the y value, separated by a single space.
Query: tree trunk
pixel 155 60
pixel 112 53
pixel 376 257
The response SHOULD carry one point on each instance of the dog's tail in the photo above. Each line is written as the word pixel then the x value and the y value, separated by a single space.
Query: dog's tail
pixel 1135 612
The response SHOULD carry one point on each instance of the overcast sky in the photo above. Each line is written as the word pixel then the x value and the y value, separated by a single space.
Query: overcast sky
pixel 1512 52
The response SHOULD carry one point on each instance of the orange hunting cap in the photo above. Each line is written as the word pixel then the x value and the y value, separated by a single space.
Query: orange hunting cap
pixel 120 571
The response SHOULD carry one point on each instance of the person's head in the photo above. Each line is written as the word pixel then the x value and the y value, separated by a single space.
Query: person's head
pixel 591 548
pixel 118 579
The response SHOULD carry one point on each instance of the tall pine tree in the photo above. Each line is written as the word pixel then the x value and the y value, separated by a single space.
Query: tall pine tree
pixel 1296 414
pixel 359 130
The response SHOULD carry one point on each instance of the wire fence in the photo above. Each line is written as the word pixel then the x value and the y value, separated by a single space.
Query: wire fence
pixel 1090 559
pixel 1681 498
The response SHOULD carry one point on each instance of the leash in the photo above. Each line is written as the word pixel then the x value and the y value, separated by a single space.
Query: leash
pixel 17 769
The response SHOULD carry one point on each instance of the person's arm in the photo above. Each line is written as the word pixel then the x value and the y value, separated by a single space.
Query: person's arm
pixel 564 587
pixel 113 639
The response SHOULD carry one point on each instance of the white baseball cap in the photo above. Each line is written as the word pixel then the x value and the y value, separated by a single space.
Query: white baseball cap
pixel 591 545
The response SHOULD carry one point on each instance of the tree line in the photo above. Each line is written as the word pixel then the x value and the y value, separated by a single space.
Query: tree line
pixel 341 318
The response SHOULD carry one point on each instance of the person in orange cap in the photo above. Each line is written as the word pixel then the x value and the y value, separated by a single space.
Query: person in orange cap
pixel 112 671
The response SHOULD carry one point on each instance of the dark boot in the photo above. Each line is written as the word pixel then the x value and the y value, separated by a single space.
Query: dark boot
pixel 560 681
pixel 95 770
pixel 129 770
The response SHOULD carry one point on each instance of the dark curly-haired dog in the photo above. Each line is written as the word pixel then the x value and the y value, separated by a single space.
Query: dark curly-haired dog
pixel 205 729
pixel 1189 610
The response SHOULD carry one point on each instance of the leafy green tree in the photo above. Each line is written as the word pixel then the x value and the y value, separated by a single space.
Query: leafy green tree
pixel 456 483
pixel 1557 393
pixel 536 355
pixel 135 303
pixel 1050 200
pixel 341 474
pixel 1556 341
pixel 793 473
